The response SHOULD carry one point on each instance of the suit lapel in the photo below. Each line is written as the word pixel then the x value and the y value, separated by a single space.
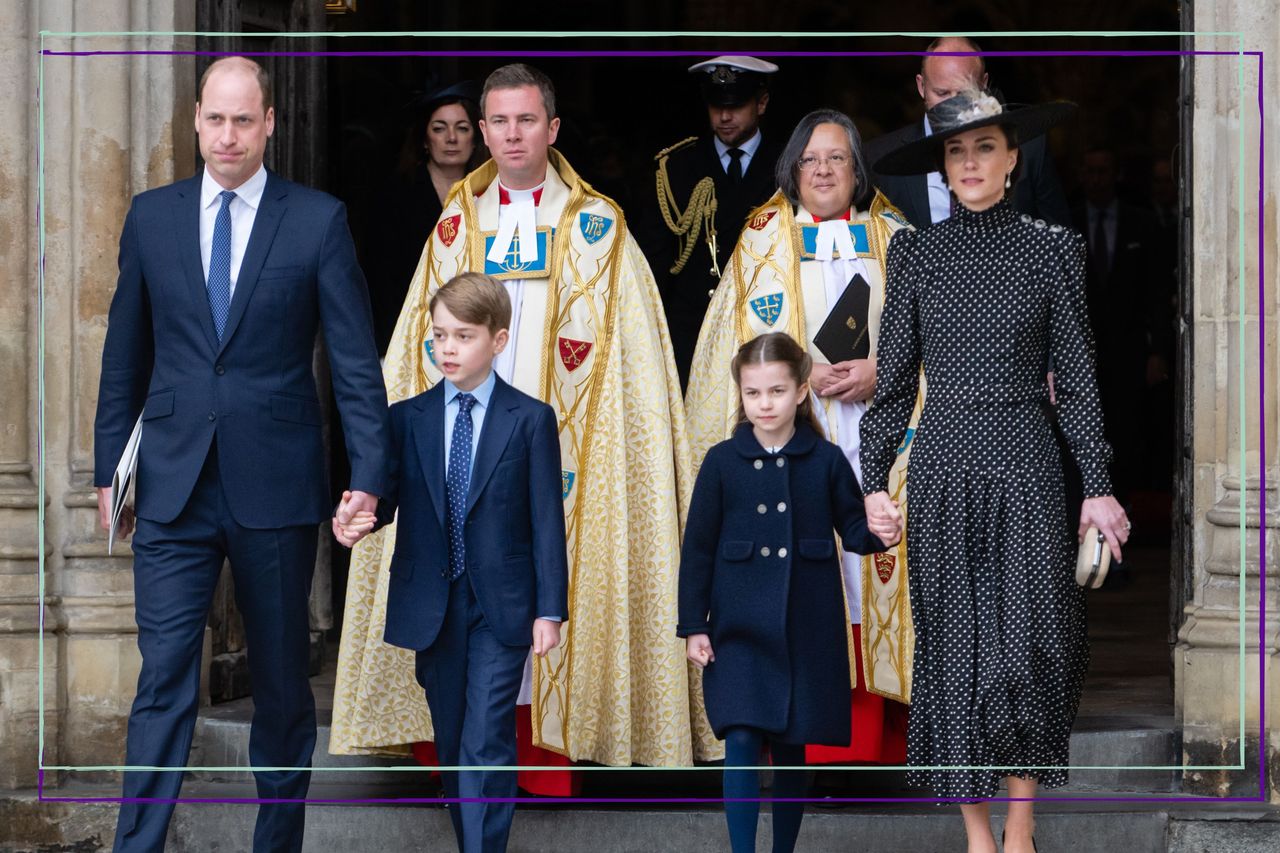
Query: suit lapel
pixel 499 422
pixel 428 436
pixel 186 223
pixel 270 210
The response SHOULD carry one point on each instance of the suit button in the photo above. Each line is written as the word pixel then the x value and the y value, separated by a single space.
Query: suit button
pixel 759 464
pixel 782 552
pixel 762 509
pixel 219 370
pixel 782 507
pixel 781 462
pixel 764 552
pixel 213 416
pixel 711 292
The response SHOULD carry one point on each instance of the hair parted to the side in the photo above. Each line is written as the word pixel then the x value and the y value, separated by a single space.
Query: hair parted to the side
pixel 475 298
pixel 782 348
pixel 244 63
pixel 514 76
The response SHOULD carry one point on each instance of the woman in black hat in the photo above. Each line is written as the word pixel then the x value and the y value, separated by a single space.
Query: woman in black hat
pixel 986 300
pixel 442 145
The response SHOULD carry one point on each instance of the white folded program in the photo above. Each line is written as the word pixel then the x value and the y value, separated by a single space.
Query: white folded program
pixel 122 480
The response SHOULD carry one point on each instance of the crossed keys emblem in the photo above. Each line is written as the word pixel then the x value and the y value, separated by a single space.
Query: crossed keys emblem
pixel 573 353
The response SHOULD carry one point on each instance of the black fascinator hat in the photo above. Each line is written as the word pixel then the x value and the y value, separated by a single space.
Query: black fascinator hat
pixel 969 111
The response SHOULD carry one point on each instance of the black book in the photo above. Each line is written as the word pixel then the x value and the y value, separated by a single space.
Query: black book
pixel 844 334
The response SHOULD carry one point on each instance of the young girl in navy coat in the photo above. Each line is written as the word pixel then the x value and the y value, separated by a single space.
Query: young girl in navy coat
pixel 761 596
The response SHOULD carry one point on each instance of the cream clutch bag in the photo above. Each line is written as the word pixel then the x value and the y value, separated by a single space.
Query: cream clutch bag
pixel 1094 560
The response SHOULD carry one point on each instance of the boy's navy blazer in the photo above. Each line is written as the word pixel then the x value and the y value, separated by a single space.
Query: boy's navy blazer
pixel 514 530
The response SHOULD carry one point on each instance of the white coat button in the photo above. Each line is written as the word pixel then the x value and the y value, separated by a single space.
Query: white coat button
pixel 782 507
pixel 782 552
pixel 764 552
pixel 762 509
pixel 759 464
pixel 781 462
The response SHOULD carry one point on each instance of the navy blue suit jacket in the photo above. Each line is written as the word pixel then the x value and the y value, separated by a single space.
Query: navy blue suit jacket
pixel 514 530
pixel 254 392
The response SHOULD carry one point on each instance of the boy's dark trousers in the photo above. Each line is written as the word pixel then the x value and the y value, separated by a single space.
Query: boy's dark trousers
pixel 472 682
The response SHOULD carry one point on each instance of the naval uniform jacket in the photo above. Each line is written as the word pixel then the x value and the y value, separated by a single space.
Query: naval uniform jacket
pixel 686 295
pixel 760 574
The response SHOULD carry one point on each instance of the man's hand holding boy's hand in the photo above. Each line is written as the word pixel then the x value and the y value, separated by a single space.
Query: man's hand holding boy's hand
pixel 350 527
pixel 546 636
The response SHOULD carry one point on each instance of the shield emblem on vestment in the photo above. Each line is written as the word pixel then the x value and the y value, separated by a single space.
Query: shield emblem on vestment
pixel 768 308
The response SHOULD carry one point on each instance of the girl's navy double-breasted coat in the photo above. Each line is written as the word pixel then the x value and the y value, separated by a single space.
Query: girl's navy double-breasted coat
pixel 759 573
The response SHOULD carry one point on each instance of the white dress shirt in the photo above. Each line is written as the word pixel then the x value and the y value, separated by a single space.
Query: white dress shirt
pixel 748 149
pixel 939 194
pixel 244 209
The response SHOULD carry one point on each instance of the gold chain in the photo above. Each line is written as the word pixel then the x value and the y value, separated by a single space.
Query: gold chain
pixel 697 217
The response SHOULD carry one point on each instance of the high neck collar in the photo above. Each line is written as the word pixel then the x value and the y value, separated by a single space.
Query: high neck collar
pixel 997 216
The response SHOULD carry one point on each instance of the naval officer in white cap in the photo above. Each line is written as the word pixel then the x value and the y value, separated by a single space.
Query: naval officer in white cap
pixel 706 186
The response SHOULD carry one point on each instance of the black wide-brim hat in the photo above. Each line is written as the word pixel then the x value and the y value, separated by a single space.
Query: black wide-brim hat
pixel 965 112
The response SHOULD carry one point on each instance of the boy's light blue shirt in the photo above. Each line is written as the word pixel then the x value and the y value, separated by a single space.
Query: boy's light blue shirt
pixel 483 393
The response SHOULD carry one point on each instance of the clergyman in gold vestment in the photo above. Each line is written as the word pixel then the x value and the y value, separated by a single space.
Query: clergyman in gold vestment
pixel 588 337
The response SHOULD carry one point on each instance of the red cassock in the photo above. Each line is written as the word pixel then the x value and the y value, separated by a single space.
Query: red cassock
pixel 879 727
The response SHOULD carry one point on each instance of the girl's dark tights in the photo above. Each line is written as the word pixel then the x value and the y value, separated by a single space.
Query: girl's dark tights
pixel 742 748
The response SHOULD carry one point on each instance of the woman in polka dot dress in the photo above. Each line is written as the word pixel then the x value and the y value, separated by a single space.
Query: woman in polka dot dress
pixel 986 301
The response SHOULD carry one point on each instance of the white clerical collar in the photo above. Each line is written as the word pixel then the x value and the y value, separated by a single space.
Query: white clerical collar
pixel 517 219
pixel 833 235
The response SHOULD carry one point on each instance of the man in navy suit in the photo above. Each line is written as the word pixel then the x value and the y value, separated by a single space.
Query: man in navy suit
pixel 479 573
pixel 225 279
pixel 924 199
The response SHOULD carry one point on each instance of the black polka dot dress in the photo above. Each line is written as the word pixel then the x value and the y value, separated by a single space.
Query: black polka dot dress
pixel 983 300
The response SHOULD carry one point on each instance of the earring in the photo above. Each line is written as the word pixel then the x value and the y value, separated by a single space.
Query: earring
pixel 1007 180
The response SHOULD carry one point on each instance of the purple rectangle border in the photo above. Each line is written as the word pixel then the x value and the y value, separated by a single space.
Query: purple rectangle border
pixel 1262 797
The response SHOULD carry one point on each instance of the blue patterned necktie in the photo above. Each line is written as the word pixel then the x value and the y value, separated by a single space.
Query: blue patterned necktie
pixel 220 265
pixel 457 481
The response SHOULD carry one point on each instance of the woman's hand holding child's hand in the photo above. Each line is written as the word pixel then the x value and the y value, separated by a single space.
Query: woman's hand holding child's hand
pixel 698 648
pixel 884 519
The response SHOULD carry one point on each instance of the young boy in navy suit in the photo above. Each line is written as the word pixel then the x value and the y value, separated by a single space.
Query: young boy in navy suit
pixel 479 574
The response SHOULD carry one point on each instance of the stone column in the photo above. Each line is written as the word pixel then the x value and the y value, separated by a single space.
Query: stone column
pixel 19 505
pixel 114 126
pixel 1232 330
